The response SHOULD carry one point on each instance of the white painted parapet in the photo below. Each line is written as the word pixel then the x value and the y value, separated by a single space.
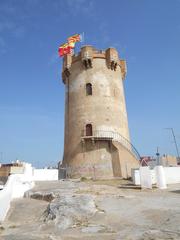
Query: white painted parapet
pixel 172 175
pixel 18 184
pixel 135 176
pixel 145 177
pixel 15 187
pixel 45 174
pixel 160 177
pixel 135 173
pixel 5 198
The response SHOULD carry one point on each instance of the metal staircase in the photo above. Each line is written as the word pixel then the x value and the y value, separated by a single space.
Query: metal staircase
pixel 113 136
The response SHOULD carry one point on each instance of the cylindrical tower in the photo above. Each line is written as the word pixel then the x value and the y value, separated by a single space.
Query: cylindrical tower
pixel 96 142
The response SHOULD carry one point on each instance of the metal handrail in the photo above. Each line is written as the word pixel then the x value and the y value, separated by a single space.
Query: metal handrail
pixel 116 137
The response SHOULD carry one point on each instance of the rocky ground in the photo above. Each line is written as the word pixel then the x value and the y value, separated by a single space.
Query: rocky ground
pixel 74 209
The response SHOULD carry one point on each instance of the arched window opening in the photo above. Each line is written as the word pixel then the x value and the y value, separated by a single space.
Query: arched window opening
pixel 89 130
pixel 88 89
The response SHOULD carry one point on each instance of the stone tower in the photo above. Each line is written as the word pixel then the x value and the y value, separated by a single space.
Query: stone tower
pixel 96 141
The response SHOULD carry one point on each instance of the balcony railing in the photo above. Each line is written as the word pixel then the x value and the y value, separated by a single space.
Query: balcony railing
pixel 113 136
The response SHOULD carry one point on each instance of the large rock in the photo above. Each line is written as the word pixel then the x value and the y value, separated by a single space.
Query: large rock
pixel 70 210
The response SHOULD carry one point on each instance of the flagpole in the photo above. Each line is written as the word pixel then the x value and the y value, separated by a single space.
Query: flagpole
pixel 83 37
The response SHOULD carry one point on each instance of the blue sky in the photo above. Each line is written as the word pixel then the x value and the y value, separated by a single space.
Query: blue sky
pixel 146 34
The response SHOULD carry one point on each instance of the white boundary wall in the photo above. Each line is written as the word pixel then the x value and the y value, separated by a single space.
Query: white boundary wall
pixel 172 175
pixel 15 187
pixel 145 177
pixel 45 174
pixel 18 184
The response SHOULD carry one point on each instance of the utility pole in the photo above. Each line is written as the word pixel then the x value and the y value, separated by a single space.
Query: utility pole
pixel 175 142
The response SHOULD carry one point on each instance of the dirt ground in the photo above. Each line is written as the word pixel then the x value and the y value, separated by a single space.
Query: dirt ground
pixel 108 210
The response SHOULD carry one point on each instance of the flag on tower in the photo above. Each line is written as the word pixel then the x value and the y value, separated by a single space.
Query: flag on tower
pixel 64 49
pixel 67 48
pixel 71 44
pixel 75 38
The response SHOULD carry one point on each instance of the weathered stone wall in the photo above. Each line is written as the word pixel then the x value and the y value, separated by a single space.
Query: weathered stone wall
pixel 105 109
pixel 126 159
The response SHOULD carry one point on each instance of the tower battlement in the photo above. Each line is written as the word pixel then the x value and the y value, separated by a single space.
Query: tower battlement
pixel 86 57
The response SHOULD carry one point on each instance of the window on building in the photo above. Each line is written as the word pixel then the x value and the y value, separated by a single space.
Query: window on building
pixel 89 130
pixel 88 89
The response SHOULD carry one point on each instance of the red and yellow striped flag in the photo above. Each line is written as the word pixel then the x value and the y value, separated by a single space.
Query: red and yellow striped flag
pixel 64 49
pixel 75 38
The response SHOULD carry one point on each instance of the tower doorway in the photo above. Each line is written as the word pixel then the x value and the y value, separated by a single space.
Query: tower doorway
pixel 89 130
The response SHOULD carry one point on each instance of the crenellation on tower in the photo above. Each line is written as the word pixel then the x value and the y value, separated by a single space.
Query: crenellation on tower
pixel 112 58
pixel 123 67
pixel 67 61
pixel 86 56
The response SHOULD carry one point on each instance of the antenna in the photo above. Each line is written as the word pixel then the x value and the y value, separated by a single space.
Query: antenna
pixel 175 142
pixel 157 156
pixel 1 159
pixel 82 39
